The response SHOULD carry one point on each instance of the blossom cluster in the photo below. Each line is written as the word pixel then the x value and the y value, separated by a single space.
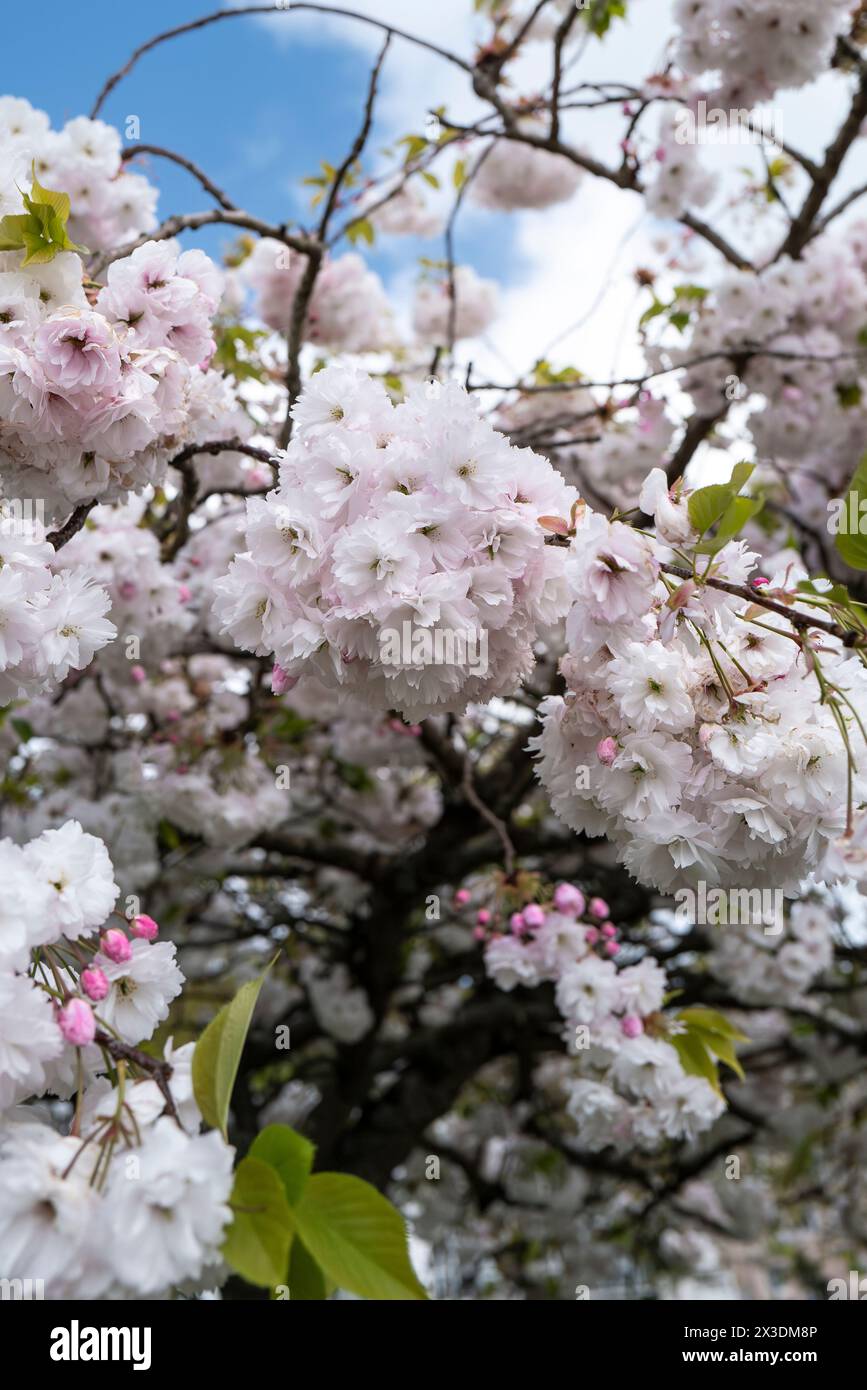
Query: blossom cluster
pixel 401 210
pixel 471 313
pixel 776 967
pixel 757 48
pixel 628 1087
pixel 348 311
pixel 400 557
pixel 125 1198
pixel 110 205
pixel 804 393
pixel 511 174
pixel 693 737
pixel 50 623
pixel 681 182
pixel 94 397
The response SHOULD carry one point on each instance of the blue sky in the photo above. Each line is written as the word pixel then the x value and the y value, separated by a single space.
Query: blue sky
pixel 256 108
pixel 259 102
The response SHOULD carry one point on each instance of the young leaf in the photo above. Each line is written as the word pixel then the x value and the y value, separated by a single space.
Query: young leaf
pixel 289 1154
pixel 357 1237
pixel 361 230
pixel 852 548
pixel 258 1240
pixel 695 1058
pixel 709 1021
pixel 218 1054
pixel 307 1283
pixel 41 230
pixel 708 504
pixel 739 511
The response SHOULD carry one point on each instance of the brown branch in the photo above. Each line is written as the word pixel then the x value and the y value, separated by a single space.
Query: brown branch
pixel 802 226
pixel 191 221
pixel 803 622
pixel 132 151
pixel 488 815
pixel 304 293
pixel 177 530
pixel 217 15
pixel 72 525
pixel 158 1070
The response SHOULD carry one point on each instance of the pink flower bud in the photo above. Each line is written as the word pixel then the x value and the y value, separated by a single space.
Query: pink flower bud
pixel 116 946
pixel 138 674
pixel 591 936
pixel 598 907
pixel 609 929
pixel 145 926
pixel 759 582
pixel 280 682
pixel 606 751
pixel 127 589
pixel 631 1026
pixel 94 982
pixel 462 897
pixel 516 922
pixel 483 916
pixel 185 593
pixel 534 915
pixel 479 934
pixel 612 948
pixel 569 899
pixel 77 1023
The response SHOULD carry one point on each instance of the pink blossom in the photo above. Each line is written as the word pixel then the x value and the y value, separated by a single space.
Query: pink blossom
pixel 94 982
pixel 116 946
pixel 146 927
pixel 77 1023
pixel 569 899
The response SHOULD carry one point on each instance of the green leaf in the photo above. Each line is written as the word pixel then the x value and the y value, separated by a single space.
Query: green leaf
pixel 852 548
pixel 679 320
pixel 723 1048
pixel 307 1283
pixel 741 473
pixel 707 505
pixel 849 394
pixel 459 173
pixel 695 1058
pixel 414 146
pixel 169 836
pixel 218 1054
pixel 289 1154
pixel 23 729
pixel 258 1240
pixel 739 511
pixel 41 231
pixel 362 230
pixel 709 1035
pixel 709 1021
pixel 656 308
pixel 357 1237
pixel 430 178
pixel 599 14
pixel 227 356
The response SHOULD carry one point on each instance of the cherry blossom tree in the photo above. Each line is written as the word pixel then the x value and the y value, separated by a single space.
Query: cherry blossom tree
pixel 434 797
